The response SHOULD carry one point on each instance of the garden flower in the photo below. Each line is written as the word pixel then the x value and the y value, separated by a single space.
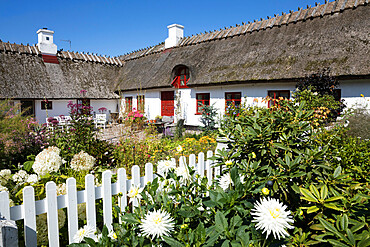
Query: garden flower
pixel 47 161
pixel 32 179
pixel 3 188
pixel 225 181
pixel 183 173
pixel 20 177
pixel 179 148
pixel 265 191
pixel 271 216
pixel 157 224
pixel 61 189
pixel 112 235
pixel 164 166
pixel 82 162
pixel 86 231
pixel 134 193
pixel 5 175
pixel 228 163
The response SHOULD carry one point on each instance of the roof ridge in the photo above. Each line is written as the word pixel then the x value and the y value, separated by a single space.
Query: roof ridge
pixel 71 55
pixel 302 14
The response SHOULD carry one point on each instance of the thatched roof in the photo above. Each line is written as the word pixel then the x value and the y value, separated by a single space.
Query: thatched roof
pixel 24 74
pixel 286 47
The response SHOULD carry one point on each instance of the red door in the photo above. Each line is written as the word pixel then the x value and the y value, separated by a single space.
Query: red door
pixel 167 103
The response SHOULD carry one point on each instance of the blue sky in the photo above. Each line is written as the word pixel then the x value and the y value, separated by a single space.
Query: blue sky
pixel 117 27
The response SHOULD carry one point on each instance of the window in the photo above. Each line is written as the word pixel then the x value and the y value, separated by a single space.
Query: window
pixel 181 77
pixel 276 94
pixel 234 98
pixel 47 38
pixel 141 103
pixel 128 104
pixel 46 105
pixel 202 100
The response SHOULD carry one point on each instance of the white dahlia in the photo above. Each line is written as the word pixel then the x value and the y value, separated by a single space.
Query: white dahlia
pixel 86 231
pixel 157 224
pixel 225 181
pixel 47 161
pixel 184 174
pixel 164 166
pixel 82 162
pixel 134 193
pixel 271 217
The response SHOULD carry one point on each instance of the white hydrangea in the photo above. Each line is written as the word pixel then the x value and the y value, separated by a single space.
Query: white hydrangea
pixel 3 188
pixel 20 177
pixel 32 179
pixel 61 189
pixel 47 161
pixel 5 175
pixel 82 162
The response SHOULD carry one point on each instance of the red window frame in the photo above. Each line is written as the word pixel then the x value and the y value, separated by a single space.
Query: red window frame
pixel 141 103
pixel 181 77
pixel 128 104
pixel 202 99
pixel 233 98
pixel 275 94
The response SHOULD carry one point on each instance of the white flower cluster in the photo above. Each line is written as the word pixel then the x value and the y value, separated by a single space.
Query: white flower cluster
pixel 20 177
pixel 3 188
pixel 32 179
pixel 61 189
pixel 5 175
pixel 82 162
pixel 47 161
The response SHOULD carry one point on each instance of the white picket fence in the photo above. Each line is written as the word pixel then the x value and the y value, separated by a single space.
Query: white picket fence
pixel 50 205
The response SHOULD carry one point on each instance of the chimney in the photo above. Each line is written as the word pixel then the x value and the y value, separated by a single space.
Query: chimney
pixel 45 42
pixel 175 34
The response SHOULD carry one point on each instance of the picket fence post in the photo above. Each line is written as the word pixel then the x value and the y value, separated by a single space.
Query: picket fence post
pixel 72 214
pixel 201 164
pixel 29 212
pixel 4 205
pixel 107 199
pixel 52 214
pixel 90 201
pixel 122 188
pixel 192 161
pixel 148 173
pixel 135 173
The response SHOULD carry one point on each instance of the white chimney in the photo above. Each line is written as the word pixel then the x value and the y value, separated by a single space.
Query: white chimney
pixel 175 34
pixel 45 42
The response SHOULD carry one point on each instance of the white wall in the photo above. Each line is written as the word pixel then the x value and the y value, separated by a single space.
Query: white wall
pixel 252 94
pixel 60 108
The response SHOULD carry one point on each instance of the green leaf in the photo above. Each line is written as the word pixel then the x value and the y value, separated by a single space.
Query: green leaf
pixel 357 227
pixel 314 191
pixel 332 229
pixel 308 195
pixel 28 165
pixel 333 206
pixel 350 236
pixel 334 198
pixel 221 222
pixel 344 222
pixel 337 171
pixel 238 128
pixel 130 218
pixel 337 243
pixel 281 146
pixel 323 192
pixel 226 243
pixel 172 242
pixel 364 242
pixel 312 209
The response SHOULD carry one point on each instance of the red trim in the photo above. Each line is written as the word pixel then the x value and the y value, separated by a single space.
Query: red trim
pixel 181 77
pixel 235 99
pixel 275 94
pixel 50 59
pixel 205 101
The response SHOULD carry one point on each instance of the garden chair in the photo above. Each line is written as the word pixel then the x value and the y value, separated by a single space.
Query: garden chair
pixel 100 120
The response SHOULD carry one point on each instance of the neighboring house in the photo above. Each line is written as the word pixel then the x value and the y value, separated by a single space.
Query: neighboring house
pixel 248 62
pixel 32 74
pixel 239 64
